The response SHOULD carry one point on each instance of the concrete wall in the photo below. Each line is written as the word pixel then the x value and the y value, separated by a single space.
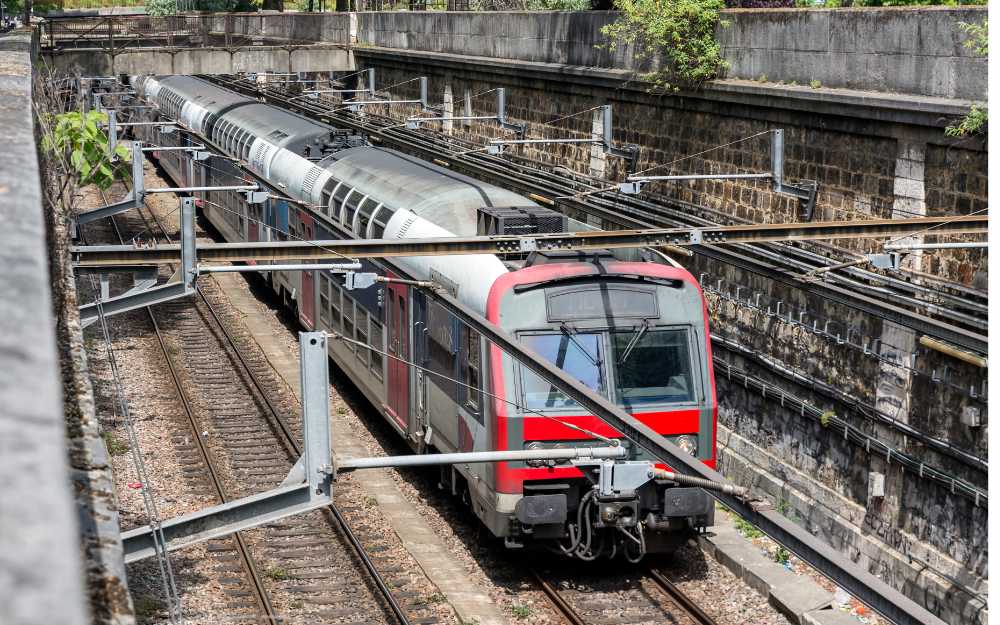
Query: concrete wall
pixel 41 574
pixel 97 62
pixel 905 50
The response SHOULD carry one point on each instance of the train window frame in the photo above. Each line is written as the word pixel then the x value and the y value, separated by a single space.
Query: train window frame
pixel 336 306
pixel 473 344
pixel 342 214
pixel 360 228
pixel 694 367
pixel 521 370
pixel 377 340
pixel 326 194
pixel 376 220
pixel 324 294
pixel 361 333
pixel 348 221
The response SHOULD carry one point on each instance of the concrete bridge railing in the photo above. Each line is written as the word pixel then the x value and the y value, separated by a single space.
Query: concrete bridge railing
pixel 907 50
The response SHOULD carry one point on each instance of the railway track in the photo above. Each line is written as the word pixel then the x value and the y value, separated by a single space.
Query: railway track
pixel 933 306
pixel 648 599
pixel 235 440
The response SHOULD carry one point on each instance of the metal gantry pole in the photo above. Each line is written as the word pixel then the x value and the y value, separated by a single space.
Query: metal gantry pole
pixel 317 458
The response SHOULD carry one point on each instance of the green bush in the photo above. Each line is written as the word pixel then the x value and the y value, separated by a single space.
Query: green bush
pixel 681 33
pixel 976 120
pixel 79 138
pixel 157 8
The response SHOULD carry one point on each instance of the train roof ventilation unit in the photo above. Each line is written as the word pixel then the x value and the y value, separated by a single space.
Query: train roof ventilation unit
pixel 519 221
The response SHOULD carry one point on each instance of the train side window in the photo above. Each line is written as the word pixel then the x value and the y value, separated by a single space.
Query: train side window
pixel 338 199
pixel 380 216
pixel 327 194
pixel 334 306
pixel 473 372
pixel 377 343
pixel 362 334
pixel 350 206
pixel 324 299
pixel 365 209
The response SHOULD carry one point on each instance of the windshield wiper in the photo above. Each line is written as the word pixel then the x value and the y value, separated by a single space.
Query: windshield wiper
pixel 569 333
pixel 636 337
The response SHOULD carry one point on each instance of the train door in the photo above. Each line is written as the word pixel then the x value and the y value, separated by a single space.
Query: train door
pixel 398 391
pixel 307 298
pixel 418 417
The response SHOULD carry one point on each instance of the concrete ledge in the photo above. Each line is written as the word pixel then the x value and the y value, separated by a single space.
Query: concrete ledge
pixel 866 105
pixel 791 594
pixel 209 60
pixel 40 564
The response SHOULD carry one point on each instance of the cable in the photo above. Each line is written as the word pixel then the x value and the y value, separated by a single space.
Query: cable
pixel 928 229
pixel 559 119
pixel 711 149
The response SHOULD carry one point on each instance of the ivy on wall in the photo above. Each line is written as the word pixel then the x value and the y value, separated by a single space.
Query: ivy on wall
pixel 678 36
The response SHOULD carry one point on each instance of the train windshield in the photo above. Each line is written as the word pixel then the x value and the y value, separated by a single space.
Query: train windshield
pixel 648 366
pixel 580 354
pixel 652 366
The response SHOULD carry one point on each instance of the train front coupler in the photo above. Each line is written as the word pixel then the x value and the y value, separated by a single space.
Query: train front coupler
pixel 641 508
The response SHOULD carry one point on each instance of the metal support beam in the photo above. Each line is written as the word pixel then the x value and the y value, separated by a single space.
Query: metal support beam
pixel 332 267
pixel 315 383
pixel 222 520
pixel 805 191
pixel 145 292
pixel 960 245
pixel 333 249
pixel 311 492
pixel 134 198
pixel 477 457
pixel 630 152
pixel 424 106
pixel 500 118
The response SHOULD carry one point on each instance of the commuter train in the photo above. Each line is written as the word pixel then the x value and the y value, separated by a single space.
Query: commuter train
pixel 631 325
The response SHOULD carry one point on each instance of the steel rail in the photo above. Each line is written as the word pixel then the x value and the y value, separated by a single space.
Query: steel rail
pixel 291 443
pixel 261 596
pixel 881 305
pixel 583 240
pixel 561 605
pixel 689 607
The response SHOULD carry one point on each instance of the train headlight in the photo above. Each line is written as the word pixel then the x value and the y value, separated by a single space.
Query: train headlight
pixel 687 442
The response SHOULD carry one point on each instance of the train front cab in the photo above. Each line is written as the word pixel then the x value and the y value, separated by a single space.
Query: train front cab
pixel 637 333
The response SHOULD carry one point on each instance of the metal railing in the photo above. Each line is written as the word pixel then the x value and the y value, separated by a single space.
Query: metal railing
pixel 117 32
